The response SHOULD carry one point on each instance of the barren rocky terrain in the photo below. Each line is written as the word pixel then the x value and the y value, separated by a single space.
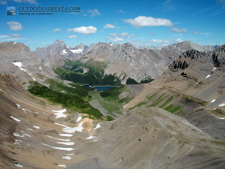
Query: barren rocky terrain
pixel 35 130
pixel 176 121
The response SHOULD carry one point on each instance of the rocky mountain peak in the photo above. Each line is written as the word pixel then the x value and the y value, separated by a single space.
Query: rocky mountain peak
pixel 189 57
pixel 81 46
pixel 59 42
pixel 175 50
pixel 127 45
pixel 183 61
pixel 218 56
pixel 13 47
pixel 221 49
pixel 102 44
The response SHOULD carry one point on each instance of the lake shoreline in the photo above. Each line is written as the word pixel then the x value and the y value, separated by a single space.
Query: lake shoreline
pixel 99 85
pixel 99 88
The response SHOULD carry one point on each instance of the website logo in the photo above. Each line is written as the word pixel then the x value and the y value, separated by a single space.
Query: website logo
pixel 11 10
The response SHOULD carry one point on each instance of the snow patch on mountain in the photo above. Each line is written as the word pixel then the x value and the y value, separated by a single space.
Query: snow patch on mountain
pixel 20 65
pixel 76 51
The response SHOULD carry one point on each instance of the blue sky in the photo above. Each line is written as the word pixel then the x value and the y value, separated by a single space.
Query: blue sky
pixel 142 22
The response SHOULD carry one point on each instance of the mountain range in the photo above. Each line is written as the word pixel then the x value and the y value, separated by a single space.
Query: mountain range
pixel 126 61
pixel 176 121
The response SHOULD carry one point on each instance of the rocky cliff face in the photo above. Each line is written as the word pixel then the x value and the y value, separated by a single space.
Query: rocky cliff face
pixel 59 49
pixel 177 49
pixel 128 61
pixel 12 52
pixel 216 57
pixel 17 59
pixel 54 54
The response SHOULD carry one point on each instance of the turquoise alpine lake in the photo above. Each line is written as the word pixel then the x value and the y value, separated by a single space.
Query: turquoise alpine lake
pixel 100 88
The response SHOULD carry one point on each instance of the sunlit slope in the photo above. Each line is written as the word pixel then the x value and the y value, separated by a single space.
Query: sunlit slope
pixel 192 87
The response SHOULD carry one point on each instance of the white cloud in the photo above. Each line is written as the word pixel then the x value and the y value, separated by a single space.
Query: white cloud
pixel 72 37
pixel 122 35
pixel 119 37
pixel 4 36
pixel 83 30
pixel 56 30
pixel 179 30
pixel 165 41
pixel 195 32
pixel 27 1
pixel 11 35
pixel 142 21
pixel 115 39
pixel 121 11
pixel 15 26
pixel 156 41
pixel 13 39
pixel 109 26
pixel 94 12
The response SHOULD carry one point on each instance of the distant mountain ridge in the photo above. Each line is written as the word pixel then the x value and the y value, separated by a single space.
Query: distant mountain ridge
pixel 125 60
pixel 59 48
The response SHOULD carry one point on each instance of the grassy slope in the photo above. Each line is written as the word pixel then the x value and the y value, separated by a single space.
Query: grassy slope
pixel 109 99
pixel 109 106
pixel 157 100
pixel 174 102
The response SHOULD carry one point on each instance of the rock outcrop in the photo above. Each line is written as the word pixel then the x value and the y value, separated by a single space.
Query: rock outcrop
pixel 18 60
pixel 177 49
pixel 189 57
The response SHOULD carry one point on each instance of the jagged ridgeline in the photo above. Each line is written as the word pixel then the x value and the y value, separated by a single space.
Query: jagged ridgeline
pixel 91 73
